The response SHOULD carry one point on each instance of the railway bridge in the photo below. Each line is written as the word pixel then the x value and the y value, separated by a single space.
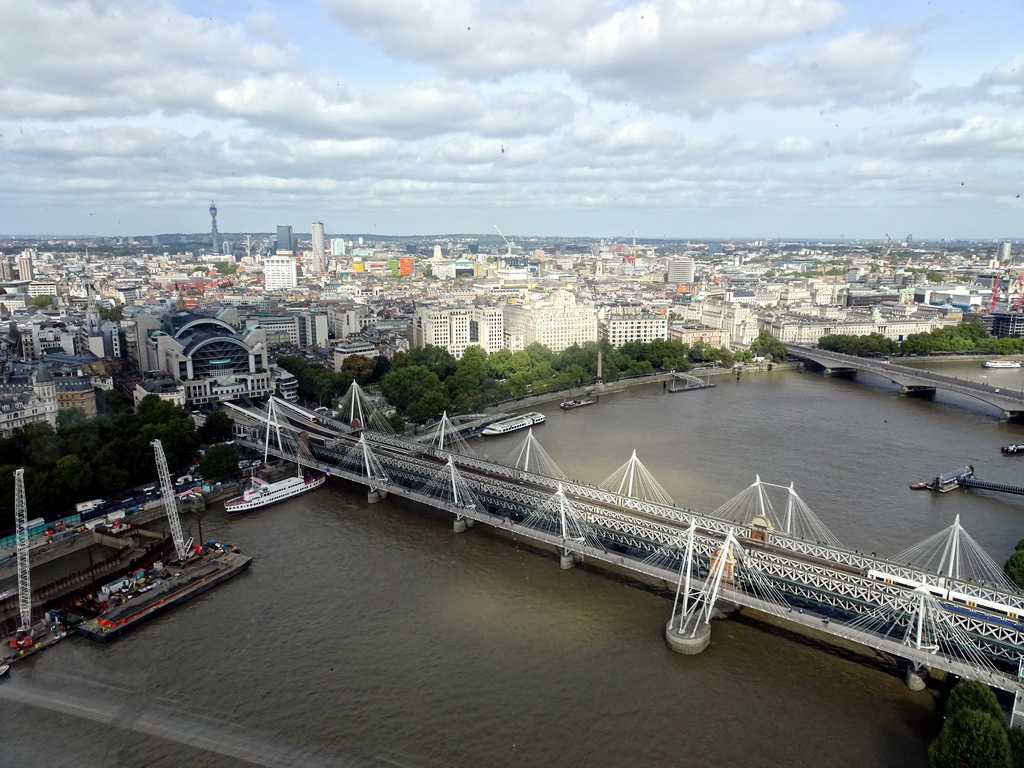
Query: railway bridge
pixel 933 607
pixel 912 381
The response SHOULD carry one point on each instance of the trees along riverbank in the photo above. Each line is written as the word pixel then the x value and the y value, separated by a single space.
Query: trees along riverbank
pixel 965 338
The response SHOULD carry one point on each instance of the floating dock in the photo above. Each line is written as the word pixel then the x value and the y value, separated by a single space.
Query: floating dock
pixel 191 580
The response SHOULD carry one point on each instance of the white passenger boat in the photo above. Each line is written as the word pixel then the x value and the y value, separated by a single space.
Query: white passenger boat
pixel 1002 363
pixel 513 423
pixel 260 493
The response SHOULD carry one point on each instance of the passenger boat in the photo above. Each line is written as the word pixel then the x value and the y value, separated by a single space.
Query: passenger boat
pixel 1012 449
pixel 567 405
pixel 3 669
pixel 1002 363
pixel 513 423
pixel 260 493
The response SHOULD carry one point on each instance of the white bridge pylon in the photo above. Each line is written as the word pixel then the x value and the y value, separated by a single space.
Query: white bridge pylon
pixel 557 516
pixel 728 569
pixel 357 410
pixel 753 507
pixel 921 622
pixel 954 554
pixel 446 437
pixel 530 457
pixel 450 488
pixel 361 460
pixel 634 480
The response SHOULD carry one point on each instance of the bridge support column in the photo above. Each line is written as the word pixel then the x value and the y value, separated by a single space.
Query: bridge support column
pixel 566 560
pixel 460 525
pixel 376 495
pixel 688 635
pixel 916 677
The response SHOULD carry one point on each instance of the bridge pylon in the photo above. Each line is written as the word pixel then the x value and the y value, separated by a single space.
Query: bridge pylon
pixel 689 632
pixel 361 460
pixel 449 490
pixel 557 516
pixel 634 480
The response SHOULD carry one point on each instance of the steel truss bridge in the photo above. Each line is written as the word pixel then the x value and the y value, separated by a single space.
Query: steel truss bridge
pixel 828 588
pixel 913 381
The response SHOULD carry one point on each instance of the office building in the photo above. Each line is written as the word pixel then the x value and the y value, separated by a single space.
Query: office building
pixel 279 272
pixel 319 257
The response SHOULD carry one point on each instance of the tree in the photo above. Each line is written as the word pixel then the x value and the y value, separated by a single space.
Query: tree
pixel 767 345
pixel 217 428
pixel 971 694
pixel 220 461
pixel 1016 747
pixel 971 738
pixel 42 302
pixel 113 313
pixel 1014 568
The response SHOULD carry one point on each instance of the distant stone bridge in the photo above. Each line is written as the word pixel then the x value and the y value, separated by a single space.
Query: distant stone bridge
pixel 912 380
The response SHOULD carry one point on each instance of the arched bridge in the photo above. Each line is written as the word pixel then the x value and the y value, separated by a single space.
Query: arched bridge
pixel 913 381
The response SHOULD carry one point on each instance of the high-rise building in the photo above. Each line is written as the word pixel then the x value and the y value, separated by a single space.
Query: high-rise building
pixel 279 272
pixel 319 260
pixel 337 246
pixel 6 270
pixel 25 270
pixel 681 270
pixel 1004 252
pixel 214 236
pixel 285 240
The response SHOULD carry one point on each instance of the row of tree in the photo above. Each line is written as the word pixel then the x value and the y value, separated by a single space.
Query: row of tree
pixel 421 383
pixel 965 338
pixel 97 458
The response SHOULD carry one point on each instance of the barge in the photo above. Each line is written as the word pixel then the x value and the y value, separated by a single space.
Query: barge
pixel 174 586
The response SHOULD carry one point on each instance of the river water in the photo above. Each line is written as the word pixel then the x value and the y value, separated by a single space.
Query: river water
pixel 372 635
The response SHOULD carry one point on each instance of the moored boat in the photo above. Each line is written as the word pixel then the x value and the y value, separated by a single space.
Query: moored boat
pixel 1013 448
pixel 260 493
pixel 1002 363
pixel 513 423
pixel 567 405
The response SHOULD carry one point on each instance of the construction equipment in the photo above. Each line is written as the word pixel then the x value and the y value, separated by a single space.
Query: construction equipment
pixel 170 499
pixel 23 637
pixel 1020 292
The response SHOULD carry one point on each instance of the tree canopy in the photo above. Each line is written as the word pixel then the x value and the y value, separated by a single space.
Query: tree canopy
pixel 95 458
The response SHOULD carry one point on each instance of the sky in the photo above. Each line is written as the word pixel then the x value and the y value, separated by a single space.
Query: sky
pixel 809 119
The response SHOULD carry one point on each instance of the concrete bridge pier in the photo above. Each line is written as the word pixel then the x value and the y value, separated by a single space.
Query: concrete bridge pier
pixel 375 495
pixel 688 635
pixel 913 390
pixel 566 559
pixel 1012 416
pixel 916 677
pixel 462 524
pixel 845 373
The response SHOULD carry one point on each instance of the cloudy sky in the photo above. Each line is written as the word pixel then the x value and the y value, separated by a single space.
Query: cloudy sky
pixel 612 118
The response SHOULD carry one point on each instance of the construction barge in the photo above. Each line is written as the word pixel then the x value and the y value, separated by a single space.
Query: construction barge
pixel 136 599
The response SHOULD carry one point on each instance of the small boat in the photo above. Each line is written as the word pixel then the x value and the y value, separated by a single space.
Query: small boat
pixel 1012 449
pixel 567 405
pixel 922 486
pixel 3 669
pixel 1002 363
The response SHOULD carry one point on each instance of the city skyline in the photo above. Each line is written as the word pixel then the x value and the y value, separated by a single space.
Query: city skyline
pixel 660 119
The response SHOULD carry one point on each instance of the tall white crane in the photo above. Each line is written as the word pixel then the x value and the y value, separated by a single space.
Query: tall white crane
pixel 21 539
pixel 170 501
pixel 508 242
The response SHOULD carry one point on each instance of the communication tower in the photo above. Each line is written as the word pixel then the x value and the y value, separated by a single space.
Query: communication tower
pixel 213 224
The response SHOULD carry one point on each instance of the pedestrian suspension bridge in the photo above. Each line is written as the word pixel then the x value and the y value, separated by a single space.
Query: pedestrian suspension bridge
pixel 941 605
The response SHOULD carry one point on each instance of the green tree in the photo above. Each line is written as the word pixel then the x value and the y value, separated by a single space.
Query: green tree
pixel 42 302
pixel 972 694
pixel 973 739
pixel 220 462
pixel 1014 568
pixel 217 428
pixel 112 313
pixel 225 267
pixel 1016 747
pixel 766 345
